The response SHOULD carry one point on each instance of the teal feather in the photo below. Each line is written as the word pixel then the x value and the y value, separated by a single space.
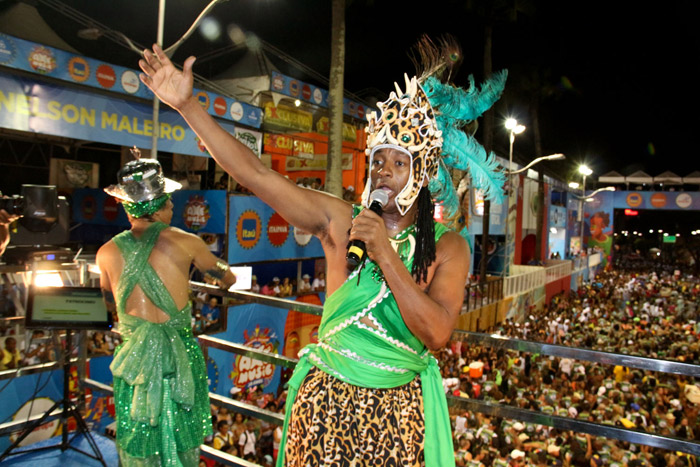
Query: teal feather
pixel 465 105
pixel 463 152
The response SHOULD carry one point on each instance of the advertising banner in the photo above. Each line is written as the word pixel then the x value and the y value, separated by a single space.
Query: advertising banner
pixel 598 224
pixel 37 107
pixel 258 233
pixel 308 92
pixel 59 64
pixel 197 211
pixel 253 325
pixel 669 200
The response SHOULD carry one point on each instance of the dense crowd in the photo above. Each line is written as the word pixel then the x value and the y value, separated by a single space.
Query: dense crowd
pixel 651 315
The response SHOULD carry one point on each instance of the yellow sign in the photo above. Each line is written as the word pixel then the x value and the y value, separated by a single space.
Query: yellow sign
pixel 288 117
pixel 349 131
pixel 317 163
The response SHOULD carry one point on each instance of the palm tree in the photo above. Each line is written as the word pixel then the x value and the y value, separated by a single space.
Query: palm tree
pixel 334 173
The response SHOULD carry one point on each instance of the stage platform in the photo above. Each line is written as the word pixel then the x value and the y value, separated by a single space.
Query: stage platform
pixel 67 458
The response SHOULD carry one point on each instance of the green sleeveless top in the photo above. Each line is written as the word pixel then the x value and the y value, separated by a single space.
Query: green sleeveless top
pixel 151 351
pixel 384 355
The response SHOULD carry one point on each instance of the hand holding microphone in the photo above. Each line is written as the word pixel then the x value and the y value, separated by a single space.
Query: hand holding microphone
pixel 357 251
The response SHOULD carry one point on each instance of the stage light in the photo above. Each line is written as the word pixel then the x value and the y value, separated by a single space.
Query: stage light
pixel 48 279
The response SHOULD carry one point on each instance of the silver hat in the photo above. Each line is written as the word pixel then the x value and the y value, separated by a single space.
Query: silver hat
pixel 142 180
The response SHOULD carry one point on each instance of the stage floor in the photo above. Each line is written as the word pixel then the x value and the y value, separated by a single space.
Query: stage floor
pixel 68 458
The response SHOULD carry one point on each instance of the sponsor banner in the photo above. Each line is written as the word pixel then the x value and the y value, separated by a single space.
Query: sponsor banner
pixel 670 200
pixel 48 61
pixel 598 225
pixel 252 139
pixel 254 325
pixel 557 216
pixel 258 233
pixel 308 92
pixel 288 145
pixel 315 162
pixel 323 126
pixel 17 405
pixel 288 118
pixel 27 105
pixel 198 211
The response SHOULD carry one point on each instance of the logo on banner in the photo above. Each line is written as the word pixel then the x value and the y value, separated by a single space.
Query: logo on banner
pixel 42 60
pixel 277 230
pixel 7 50
pixel 236 111
pixel 277 83
pixel 306 92
pixel 658 200
pixel 105 76
pixel 130 82
pixel 88 207
pixel 248 372
pixel 318 96
pixel 634 200
pixel 220 106
pixel 294 88
pixel 301 236
pixel 196 213
pixel 684 200
pixel 42 432
pixel 248 229
pixel 110 209
pixel 249 140
pixel 78 69
pixel 203 99
pixel 361 111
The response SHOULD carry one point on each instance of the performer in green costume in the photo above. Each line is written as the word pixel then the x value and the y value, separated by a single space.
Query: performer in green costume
pixel 160 382
pixel 370 393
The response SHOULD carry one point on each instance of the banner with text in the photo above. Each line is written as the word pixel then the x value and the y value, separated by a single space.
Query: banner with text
pixel 258 233
pixel 59 64
pixel 36 107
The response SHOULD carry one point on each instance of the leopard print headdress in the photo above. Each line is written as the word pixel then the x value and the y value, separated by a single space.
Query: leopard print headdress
pixel 430 122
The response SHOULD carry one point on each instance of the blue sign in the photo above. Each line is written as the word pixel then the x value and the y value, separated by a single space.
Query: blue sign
pixel 48 61
pixel 257 233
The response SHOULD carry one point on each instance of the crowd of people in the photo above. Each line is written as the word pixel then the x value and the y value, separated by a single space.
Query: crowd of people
pixel 646 314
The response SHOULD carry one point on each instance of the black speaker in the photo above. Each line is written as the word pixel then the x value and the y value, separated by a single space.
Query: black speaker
pixel 40 207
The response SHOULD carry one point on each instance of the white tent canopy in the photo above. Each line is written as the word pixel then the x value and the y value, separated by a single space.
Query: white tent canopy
pixel 692 178
pixel 612 177
pixel 668 178
pixel 639 177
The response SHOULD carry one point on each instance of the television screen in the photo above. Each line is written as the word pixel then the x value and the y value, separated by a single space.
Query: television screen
pixel 67 308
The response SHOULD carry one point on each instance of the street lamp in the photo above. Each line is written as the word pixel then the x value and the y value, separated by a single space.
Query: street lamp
pixel 585 171
pixel 514 129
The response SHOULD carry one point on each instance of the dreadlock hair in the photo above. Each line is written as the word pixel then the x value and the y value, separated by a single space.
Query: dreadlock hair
pixel 425 236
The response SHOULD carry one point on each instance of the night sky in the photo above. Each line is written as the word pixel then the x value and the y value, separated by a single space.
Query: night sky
pixel 617 80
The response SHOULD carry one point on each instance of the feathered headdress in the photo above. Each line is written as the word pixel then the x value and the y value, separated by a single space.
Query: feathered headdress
pixel 430 122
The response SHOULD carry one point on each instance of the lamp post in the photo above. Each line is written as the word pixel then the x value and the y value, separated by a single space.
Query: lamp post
pixel 514 129
pixel 585 171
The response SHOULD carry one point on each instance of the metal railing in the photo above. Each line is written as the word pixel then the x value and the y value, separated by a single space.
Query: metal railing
pixel 500 410
pixel 479 295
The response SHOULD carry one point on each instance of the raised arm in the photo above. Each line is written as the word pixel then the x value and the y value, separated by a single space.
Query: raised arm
pixel 307 209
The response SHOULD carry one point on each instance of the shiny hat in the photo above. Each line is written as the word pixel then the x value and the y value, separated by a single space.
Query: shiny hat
pixel 141 180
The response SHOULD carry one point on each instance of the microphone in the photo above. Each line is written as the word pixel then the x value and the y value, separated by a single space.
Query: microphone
pixel 356 248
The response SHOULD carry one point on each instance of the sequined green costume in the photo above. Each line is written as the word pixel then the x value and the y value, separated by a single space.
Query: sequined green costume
pixel 383 354
pixel 160 381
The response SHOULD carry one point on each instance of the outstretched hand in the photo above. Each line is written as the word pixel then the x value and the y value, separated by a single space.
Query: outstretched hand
pixel 172 86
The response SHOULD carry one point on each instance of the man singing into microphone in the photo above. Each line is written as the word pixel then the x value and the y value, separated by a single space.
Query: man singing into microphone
pixel 369 391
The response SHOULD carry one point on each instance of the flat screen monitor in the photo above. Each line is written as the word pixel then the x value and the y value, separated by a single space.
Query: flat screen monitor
pixel 67 308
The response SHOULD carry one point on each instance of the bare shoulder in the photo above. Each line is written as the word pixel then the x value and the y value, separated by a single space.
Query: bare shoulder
pixel 106 251
pixel 179 235
pixel 452 246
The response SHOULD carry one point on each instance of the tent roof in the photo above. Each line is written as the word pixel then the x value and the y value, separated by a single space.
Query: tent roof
pixel 612 177
pixel 639 177
pixel 24 21
pixel 692 178
pixel 669 178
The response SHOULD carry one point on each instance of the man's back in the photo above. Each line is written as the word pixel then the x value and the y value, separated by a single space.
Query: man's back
pixel 171 257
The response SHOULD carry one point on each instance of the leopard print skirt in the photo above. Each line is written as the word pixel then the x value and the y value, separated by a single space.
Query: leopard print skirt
pixel 335 424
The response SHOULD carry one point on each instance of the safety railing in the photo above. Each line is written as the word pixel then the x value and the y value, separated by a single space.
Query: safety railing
pixel 557 269
pixel 523 279
pixel 481 294
pixel 489 408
